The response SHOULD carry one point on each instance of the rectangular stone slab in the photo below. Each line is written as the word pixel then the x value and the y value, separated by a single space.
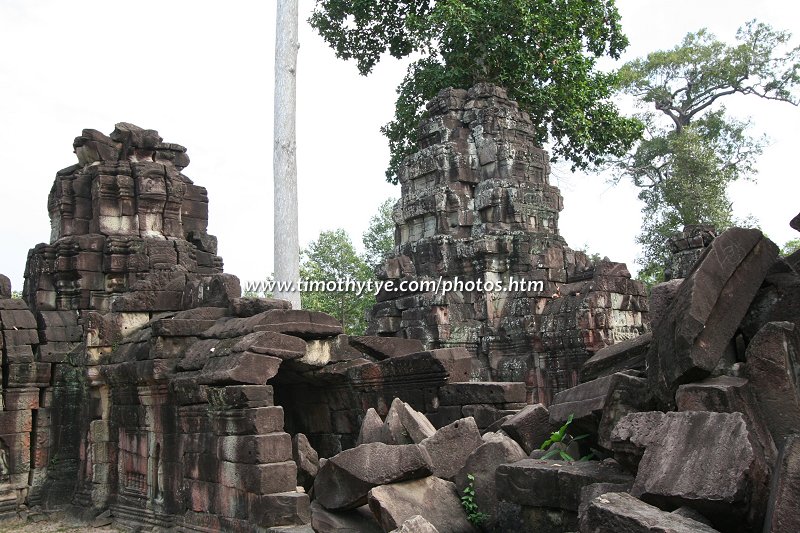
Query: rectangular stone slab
pixel 554 484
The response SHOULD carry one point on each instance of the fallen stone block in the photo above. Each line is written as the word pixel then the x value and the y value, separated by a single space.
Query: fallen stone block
pixel 773 360
pixel 530 427
pixel 307 325
pixel 593 490
pixel 359 520
pixel 382 348
pixel 784 497
pixel 706 461
pixel 725 394
pixel 617 512
pixel 690 340
pixel 554 484
pixel 416 524
pixel 597 406
pixel 482 465
pixel 433 498
pixel 631 436
pixel 624 355
pixel 450 446
pixel 371 428
pixel 244 367
pixel 415 424
pixel 278 345
pixel 248 306
pixel 345 479
pixel 661 297
pixel 778 300
pixel 307 461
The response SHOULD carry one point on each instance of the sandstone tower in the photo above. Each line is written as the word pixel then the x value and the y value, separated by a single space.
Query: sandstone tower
pixel 477 206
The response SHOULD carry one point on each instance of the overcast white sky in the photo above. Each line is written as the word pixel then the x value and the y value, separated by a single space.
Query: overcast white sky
pixel 200 73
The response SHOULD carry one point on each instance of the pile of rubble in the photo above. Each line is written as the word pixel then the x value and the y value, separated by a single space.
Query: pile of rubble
pixel 695 428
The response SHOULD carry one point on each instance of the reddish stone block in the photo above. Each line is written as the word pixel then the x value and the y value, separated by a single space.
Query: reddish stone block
pixel 270 448
pixel 259 479
pixel 20 399
pixel 15 422
pixel 256 421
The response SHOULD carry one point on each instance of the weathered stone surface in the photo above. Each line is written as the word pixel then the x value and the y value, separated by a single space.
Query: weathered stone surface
pixel 244 367
pixel 708 307
pixel 285 347
pixel 384 347
pixel 661 297
pixel 773 369
pixel 450 446
pixel 5 287
pixel 778 300
pixel 433 498
pixel 631 436
pixel 269 448
pixel 247 306
pixel 784 498
pixel 345 479
pixel 536 483
pixel 457 362
pixel 416 425
pixel 478 212
pixel 359 520
pixel 281 509
pixel 706 461
pixel 304 324
pixel 593 490
pixel 725 394
pixel 478 392
pixel 530 427
pixel 307 461
pixel 624 355
pixel 795 222
pixel 482 464
pixel 371 428
pixel 598 405
pixel 617 512
pixel 416 524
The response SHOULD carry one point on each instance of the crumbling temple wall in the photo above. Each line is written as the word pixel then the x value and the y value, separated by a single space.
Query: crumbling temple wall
pixel 477 206
pixel 139 387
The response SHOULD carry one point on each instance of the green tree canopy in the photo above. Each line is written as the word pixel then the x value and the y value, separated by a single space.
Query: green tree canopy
pixel 691 149
pixel 378 240
pixel 332 258
pixel 542 51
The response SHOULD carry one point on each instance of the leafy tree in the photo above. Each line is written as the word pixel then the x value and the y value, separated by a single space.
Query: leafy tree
pixel 790 247
pixel 378 240
pixel 332 258
pixel 542 51
pixel 691 149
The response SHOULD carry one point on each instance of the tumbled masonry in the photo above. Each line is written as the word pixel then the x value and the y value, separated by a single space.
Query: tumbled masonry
pixel 135 377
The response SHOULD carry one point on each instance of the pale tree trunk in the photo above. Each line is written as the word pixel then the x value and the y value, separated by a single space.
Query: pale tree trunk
pixel 284 159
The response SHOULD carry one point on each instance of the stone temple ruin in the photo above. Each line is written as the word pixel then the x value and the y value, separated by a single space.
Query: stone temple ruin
pixel 477 205
pixel 140 390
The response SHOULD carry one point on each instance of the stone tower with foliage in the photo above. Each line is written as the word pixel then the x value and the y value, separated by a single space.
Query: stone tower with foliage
pixel 477 211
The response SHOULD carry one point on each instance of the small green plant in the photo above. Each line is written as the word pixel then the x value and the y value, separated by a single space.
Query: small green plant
pixel 561 436
pixel 474 516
